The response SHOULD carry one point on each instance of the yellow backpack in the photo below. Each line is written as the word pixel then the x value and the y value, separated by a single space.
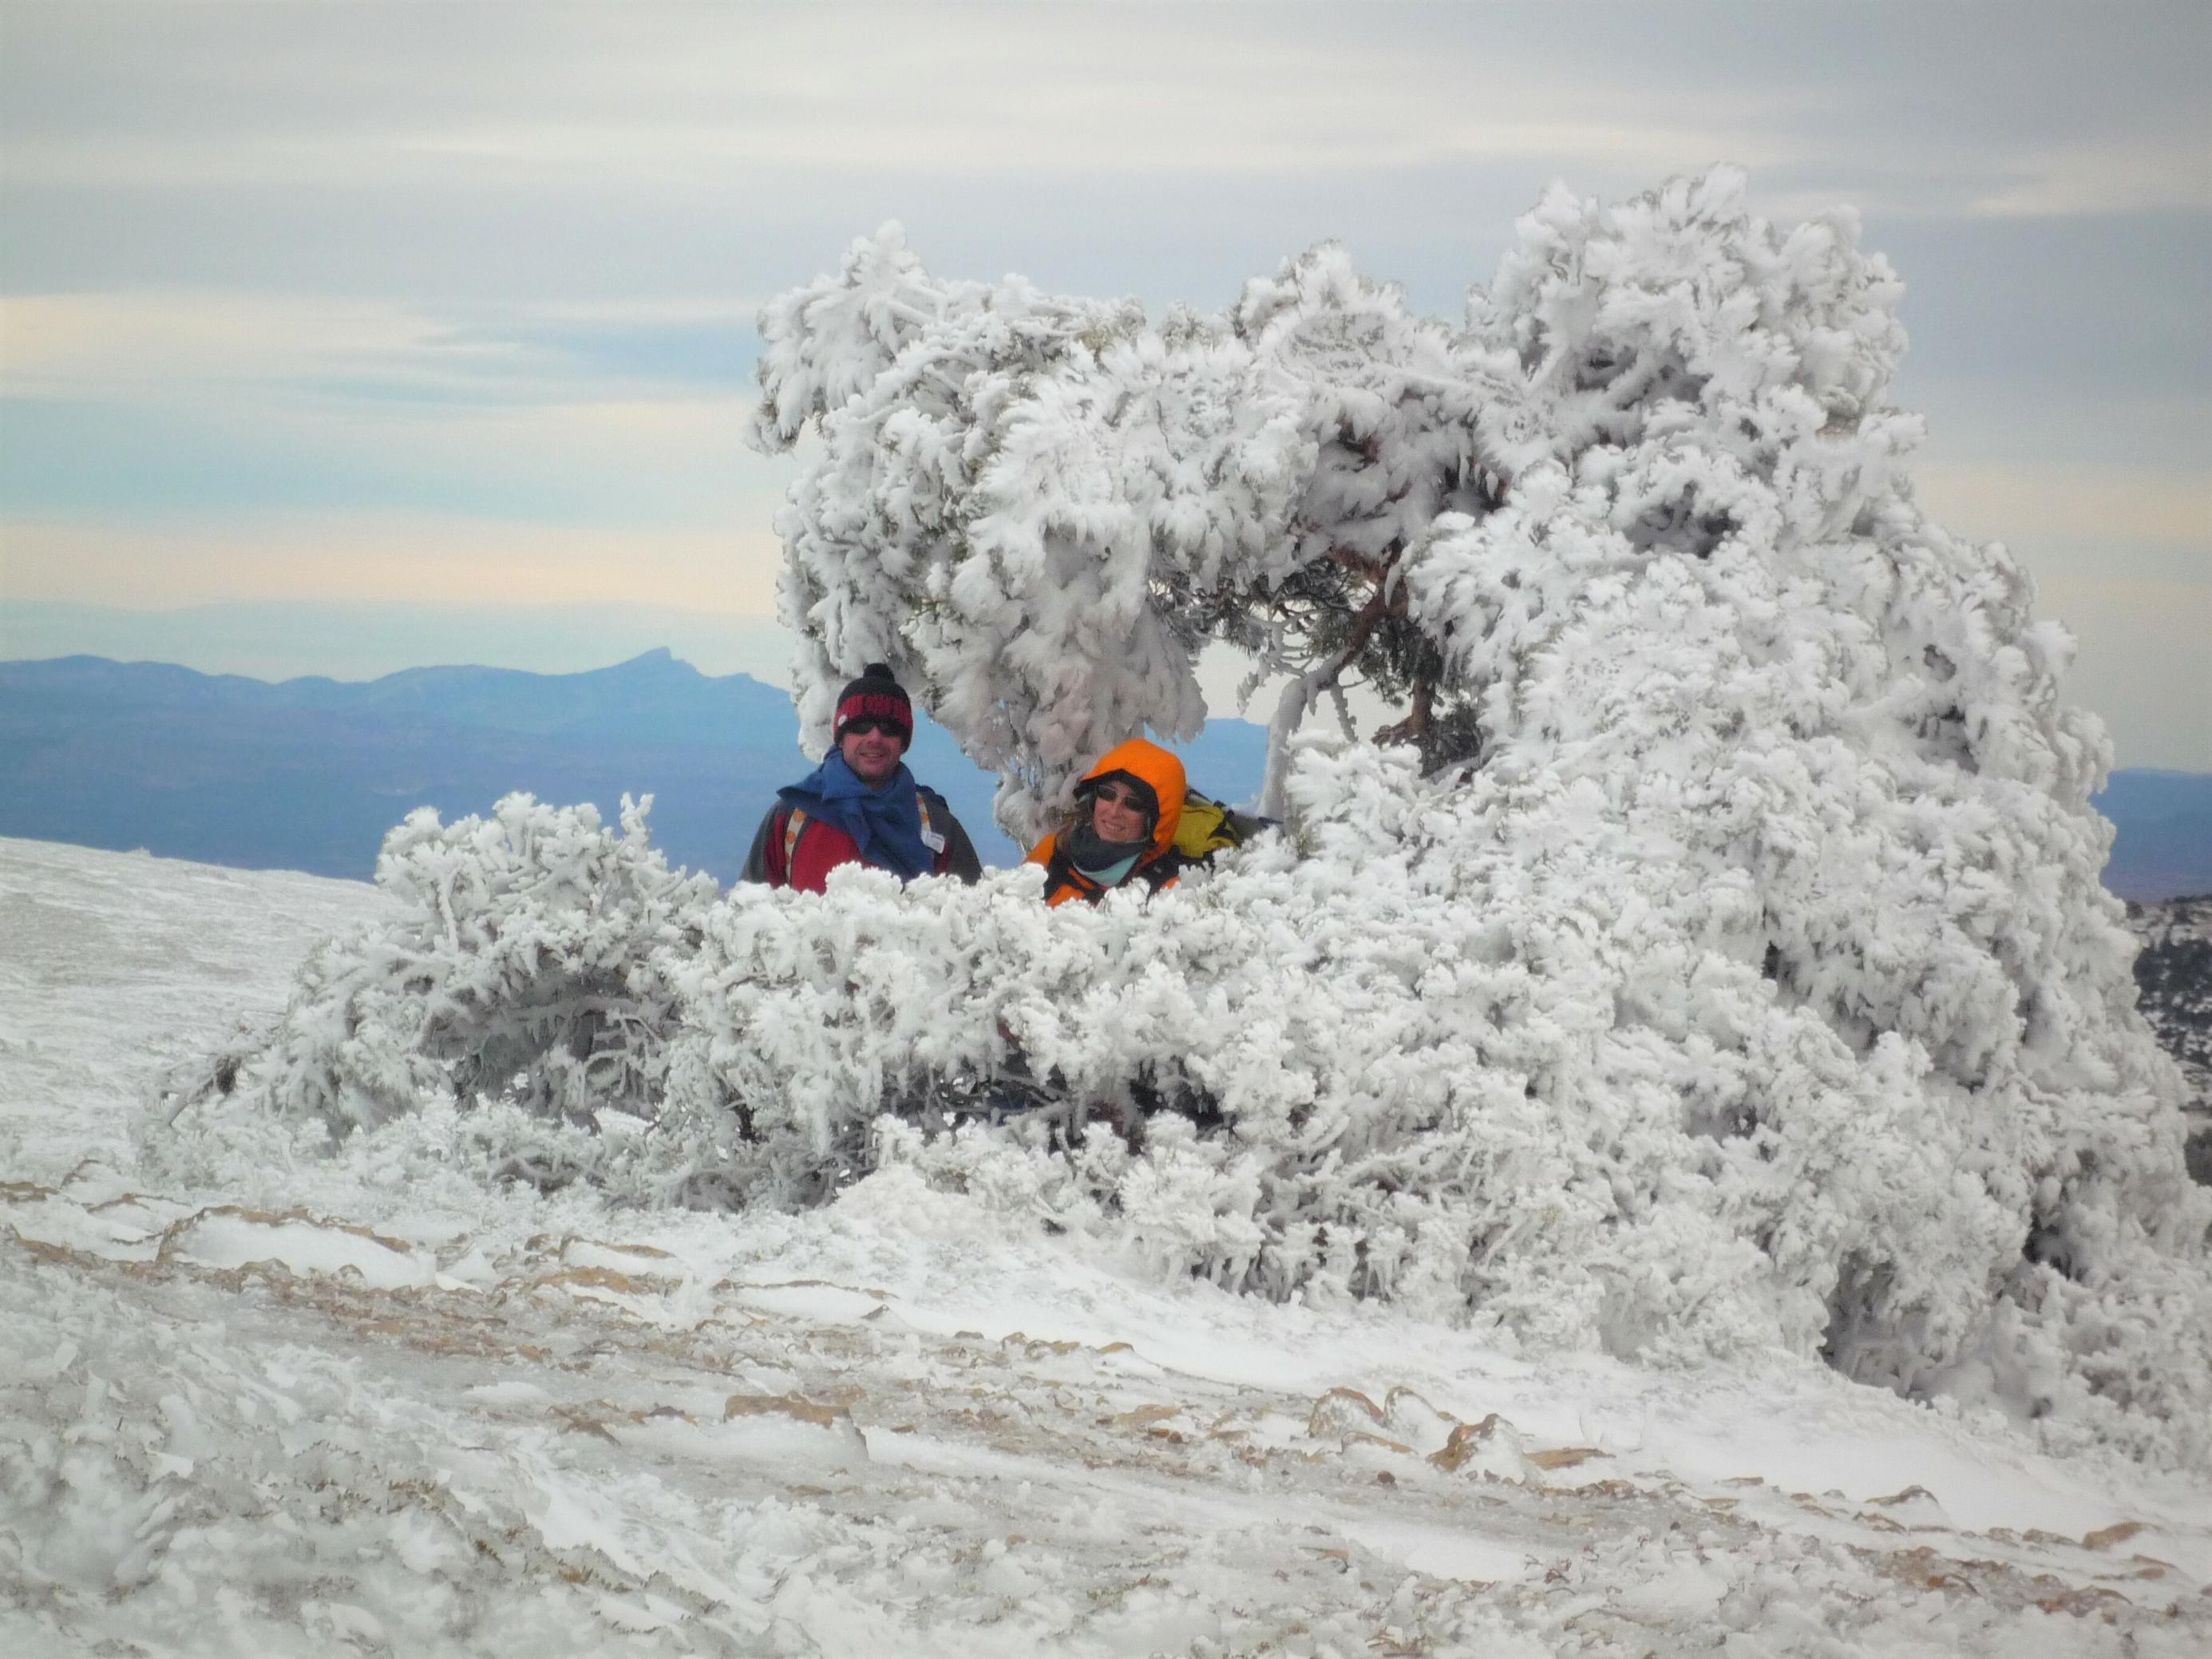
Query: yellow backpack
pixel 1208 826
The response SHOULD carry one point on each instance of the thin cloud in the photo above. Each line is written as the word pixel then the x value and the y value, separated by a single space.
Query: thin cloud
pixel 686 99
pixel 478 268
pixel 162 346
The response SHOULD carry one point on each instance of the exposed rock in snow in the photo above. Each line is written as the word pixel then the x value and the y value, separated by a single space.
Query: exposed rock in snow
pixel 2174 977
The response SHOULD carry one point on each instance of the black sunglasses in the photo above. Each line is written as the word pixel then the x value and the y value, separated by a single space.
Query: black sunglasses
pixel 867 723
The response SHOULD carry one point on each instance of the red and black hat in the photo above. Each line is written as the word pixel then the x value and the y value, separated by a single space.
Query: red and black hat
pixel 876 695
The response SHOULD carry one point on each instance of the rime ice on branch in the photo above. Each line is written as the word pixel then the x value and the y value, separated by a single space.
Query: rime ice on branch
pixel 1040 510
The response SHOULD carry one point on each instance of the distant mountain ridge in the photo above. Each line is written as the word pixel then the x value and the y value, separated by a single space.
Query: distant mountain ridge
pixel 2164 846
pixel 308 773
pixel 653 697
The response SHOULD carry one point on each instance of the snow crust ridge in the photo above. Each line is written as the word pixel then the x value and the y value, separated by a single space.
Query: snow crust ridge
pixel 294 1453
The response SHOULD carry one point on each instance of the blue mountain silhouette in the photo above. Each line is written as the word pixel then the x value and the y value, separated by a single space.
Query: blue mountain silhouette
pixel 308 773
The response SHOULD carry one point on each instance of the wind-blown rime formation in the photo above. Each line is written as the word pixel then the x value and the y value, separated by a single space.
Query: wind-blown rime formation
pixel 1779 828
pixel 527 965
pixel 1721 967
pixel 1712 595
pixel 1579 1103
pixel 1040 510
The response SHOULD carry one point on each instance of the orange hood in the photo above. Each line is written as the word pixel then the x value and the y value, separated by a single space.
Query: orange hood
pixel 1160 772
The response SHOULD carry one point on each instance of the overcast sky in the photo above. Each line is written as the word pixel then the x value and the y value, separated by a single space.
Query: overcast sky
pixel 402 333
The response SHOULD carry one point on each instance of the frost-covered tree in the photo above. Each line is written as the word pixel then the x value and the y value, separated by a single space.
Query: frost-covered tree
pixel 1732 966
pixel 1041 509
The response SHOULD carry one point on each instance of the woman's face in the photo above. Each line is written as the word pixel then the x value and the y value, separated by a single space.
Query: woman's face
pixel 1116 813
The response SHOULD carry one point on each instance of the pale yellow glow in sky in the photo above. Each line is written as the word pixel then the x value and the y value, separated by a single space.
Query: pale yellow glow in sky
pixel 386 557
pixel 2092 502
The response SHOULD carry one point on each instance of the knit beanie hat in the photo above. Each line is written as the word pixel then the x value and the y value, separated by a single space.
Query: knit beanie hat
pixel 876 695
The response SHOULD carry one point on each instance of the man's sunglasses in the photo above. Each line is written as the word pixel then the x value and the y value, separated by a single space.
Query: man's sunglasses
pixel 867 723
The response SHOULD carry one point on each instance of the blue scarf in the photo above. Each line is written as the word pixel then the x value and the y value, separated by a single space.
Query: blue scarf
pixel 884 822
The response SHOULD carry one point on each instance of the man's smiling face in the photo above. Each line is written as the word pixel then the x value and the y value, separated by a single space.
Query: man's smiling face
pixel 872 748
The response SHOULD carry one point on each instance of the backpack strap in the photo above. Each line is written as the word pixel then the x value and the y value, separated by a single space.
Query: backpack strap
pixel 794 824
pixel 1166 867
pixel 941 860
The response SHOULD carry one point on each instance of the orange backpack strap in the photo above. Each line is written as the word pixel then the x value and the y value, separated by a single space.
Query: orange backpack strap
pixel 795 822
pixel 1062 880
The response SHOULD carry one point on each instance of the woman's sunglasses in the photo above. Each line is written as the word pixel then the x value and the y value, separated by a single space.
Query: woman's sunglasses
pixel 1114 794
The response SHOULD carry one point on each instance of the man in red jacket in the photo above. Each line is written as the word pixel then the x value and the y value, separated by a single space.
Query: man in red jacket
pixel 861 805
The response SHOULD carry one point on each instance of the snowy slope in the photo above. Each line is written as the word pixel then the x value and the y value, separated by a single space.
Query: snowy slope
pixel 381 1404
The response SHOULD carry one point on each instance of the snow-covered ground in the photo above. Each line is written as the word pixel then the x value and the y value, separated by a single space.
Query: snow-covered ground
pixel 373 1404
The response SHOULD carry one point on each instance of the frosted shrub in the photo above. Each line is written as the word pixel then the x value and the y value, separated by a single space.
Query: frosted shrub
pixel 528 966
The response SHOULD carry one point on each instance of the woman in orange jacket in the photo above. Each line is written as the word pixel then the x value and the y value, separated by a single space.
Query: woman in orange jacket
pixel 1129 805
